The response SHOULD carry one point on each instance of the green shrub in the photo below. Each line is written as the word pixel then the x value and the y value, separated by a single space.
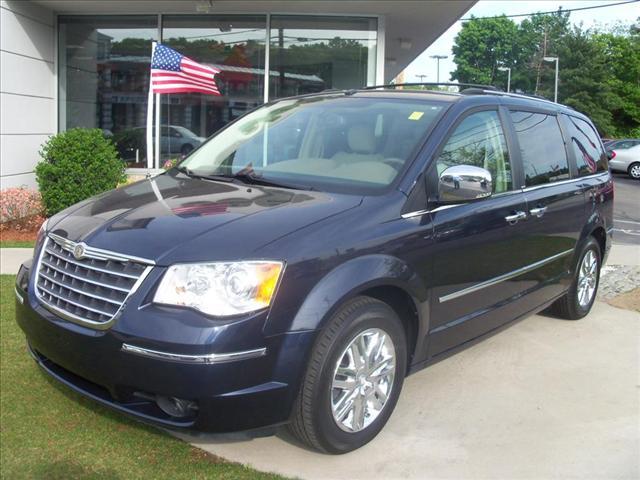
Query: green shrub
pixel 76 165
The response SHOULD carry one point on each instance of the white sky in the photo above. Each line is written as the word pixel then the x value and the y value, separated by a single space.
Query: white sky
pixel 423 65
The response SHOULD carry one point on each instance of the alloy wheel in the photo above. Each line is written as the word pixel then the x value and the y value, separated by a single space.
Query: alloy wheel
pixel 587 278
pixel 634 171
pixel 362 380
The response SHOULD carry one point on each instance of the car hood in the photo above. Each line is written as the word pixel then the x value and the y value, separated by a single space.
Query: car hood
pixel 173 218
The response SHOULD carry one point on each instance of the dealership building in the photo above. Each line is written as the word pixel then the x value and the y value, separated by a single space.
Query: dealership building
pixel 67 64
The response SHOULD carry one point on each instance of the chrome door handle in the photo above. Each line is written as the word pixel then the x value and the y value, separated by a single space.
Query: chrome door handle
pixel 513 219
pixel 538 212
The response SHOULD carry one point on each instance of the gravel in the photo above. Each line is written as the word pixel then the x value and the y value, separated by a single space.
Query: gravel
pixel 617 279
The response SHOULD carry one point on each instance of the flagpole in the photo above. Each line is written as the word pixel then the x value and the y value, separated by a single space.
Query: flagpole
pixel 150 115
pixel 158 132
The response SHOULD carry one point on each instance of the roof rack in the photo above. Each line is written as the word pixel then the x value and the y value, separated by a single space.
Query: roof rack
pixel 476 91
pixel 434 84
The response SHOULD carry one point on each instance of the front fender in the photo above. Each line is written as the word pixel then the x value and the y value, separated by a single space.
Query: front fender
pixel 348 280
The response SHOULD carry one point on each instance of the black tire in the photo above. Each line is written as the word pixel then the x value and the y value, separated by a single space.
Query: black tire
pixel 634 170
pixel 568 306
pixel 186 149
pixel 312 420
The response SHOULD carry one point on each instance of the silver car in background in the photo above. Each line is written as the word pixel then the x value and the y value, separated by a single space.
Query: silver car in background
pixel 627 160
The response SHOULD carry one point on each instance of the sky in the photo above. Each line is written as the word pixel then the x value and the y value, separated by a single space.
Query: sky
pixel 423 65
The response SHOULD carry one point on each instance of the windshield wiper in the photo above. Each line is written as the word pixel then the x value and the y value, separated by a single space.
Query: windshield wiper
pixel 192 174
pixel 244 177
pixel 254 179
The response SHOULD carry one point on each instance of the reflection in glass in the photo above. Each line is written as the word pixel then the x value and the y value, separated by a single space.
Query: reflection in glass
pixel 233 44
pixel 590 157
pixel 544 158
pixel 104 77
pixel 311 54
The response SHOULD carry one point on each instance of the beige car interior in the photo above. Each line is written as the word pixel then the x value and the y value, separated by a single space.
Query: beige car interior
pixel 360 162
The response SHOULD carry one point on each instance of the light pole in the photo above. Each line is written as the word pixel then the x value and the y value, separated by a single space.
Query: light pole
pixel 555 90
pixel 438 58
pixel 508 70
pixel 421 77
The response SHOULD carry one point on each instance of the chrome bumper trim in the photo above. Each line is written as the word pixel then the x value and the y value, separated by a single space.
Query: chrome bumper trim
pixel 18 296
pixel 502 278
pixel 206 359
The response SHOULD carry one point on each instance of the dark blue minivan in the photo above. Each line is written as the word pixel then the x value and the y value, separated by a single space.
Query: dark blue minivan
pixel 300 263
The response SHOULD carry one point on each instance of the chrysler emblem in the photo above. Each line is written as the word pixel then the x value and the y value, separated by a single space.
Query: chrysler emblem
pixel 78 251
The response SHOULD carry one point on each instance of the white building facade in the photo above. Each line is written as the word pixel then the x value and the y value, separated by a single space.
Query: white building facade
pixel 67 64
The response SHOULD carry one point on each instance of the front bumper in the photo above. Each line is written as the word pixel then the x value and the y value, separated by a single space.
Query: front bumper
pixel 232 392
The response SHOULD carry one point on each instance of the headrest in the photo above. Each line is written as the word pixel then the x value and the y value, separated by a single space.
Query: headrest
pixel 361 139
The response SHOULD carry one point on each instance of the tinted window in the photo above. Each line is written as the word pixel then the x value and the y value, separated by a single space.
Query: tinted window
pixel 479 141
pixel 542 148
pixel 590 157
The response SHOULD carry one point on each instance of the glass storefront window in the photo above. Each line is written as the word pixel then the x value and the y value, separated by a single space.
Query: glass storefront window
pixel 104 69
pixel 310 54
pixel 104 77
pixel 233 44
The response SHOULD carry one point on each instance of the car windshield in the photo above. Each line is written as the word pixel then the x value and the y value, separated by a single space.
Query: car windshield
pixel 329 142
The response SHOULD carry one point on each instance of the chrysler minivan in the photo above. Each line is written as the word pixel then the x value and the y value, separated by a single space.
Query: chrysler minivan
pixel 297 266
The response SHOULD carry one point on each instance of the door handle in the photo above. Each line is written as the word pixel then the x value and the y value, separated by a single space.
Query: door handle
pixel 513 219
pixel 538 212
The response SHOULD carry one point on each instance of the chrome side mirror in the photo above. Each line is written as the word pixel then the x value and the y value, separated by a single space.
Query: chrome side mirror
pixel 464 183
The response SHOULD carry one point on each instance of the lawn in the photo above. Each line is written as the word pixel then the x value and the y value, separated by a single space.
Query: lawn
pixel 16 244
pixel 48 431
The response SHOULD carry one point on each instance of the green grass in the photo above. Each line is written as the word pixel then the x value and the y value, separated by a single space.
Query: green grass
pixel 16 244
pixel 48 431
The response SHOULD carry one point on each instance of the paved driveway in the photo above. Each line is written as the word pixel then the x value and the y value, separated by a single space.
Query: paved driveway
pixel 545 398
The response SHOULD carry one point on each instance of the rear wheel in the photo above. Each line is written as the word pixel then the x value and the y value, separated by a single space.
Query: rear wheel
pixel 354 378
pixel 634 170
pixel 577 302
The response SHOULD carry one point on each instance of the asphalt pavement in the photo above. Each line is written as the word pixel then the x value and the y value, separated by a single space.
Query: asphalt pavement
pixel 626 210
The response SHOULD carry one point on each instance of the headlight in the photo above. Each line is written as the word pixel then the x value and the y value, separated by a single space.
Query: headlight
pixel 221 288
pixel 41 232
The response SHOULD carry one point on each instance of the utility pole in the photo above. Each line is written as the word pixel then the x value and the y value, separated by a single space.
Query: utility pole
pixel 438 58
pixel 422 77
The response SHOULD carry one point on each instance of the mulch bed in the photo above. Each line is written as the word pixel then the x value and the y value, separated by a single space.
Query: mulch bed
pixel 10 233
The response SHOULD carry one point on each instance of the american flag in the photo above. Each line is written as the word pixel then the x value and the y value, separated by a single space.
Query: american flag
pixel 172 72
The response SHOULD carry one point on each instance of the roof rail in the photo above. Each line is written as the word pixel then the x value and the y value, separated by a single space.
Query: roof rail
pixel 433 84
pixel 475 91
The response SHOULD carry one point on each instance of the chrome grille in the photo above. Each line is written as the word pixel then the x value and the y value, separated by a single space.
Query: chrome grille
pixel 89 287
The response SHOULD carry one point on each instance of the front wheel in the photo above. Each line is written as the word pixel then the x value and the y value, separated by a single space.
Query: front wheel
pixel 577 302
pixel 354 378
pixel 634 170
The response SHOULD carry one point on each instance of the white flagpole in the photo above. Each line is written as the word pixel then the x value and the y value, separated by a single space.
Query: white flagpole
pixel 158 132
pixel 150 116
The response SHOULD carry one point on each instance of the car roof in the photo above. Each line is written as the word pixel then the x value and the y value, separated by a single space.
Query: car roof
pixel 470 96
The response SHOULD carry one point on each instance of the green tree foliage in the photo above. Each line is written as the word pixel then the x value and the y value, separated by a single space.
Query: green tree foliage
pixel 599 71
pixel 76 165
pixel 482 46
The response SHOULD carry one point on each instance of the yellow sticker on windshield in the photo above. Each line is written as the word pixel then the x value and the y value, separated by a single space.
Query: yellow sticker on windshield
pixel 416 115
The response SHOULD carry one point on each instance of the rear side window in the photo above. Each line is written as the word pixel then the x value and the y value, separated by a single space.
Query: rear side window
pixel 479 141
pixel 544 159
pixel 590 156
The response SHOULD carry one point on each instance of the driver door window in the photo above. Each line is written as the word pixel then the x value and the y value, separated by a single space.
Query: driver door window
pixel 479 141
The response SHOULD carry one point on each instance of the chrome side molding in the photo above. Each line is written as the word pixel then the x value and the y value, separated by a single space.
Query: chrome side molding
pixel 206 359
pixel 502 278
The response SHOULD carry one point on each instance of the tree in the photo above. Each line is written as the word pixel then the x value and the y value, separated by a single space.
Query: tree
pixel 482 46
pixel 599 71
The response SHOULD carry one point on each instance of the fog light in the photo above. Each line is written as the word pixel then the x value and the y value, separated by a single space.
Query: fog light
pixel 176 407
